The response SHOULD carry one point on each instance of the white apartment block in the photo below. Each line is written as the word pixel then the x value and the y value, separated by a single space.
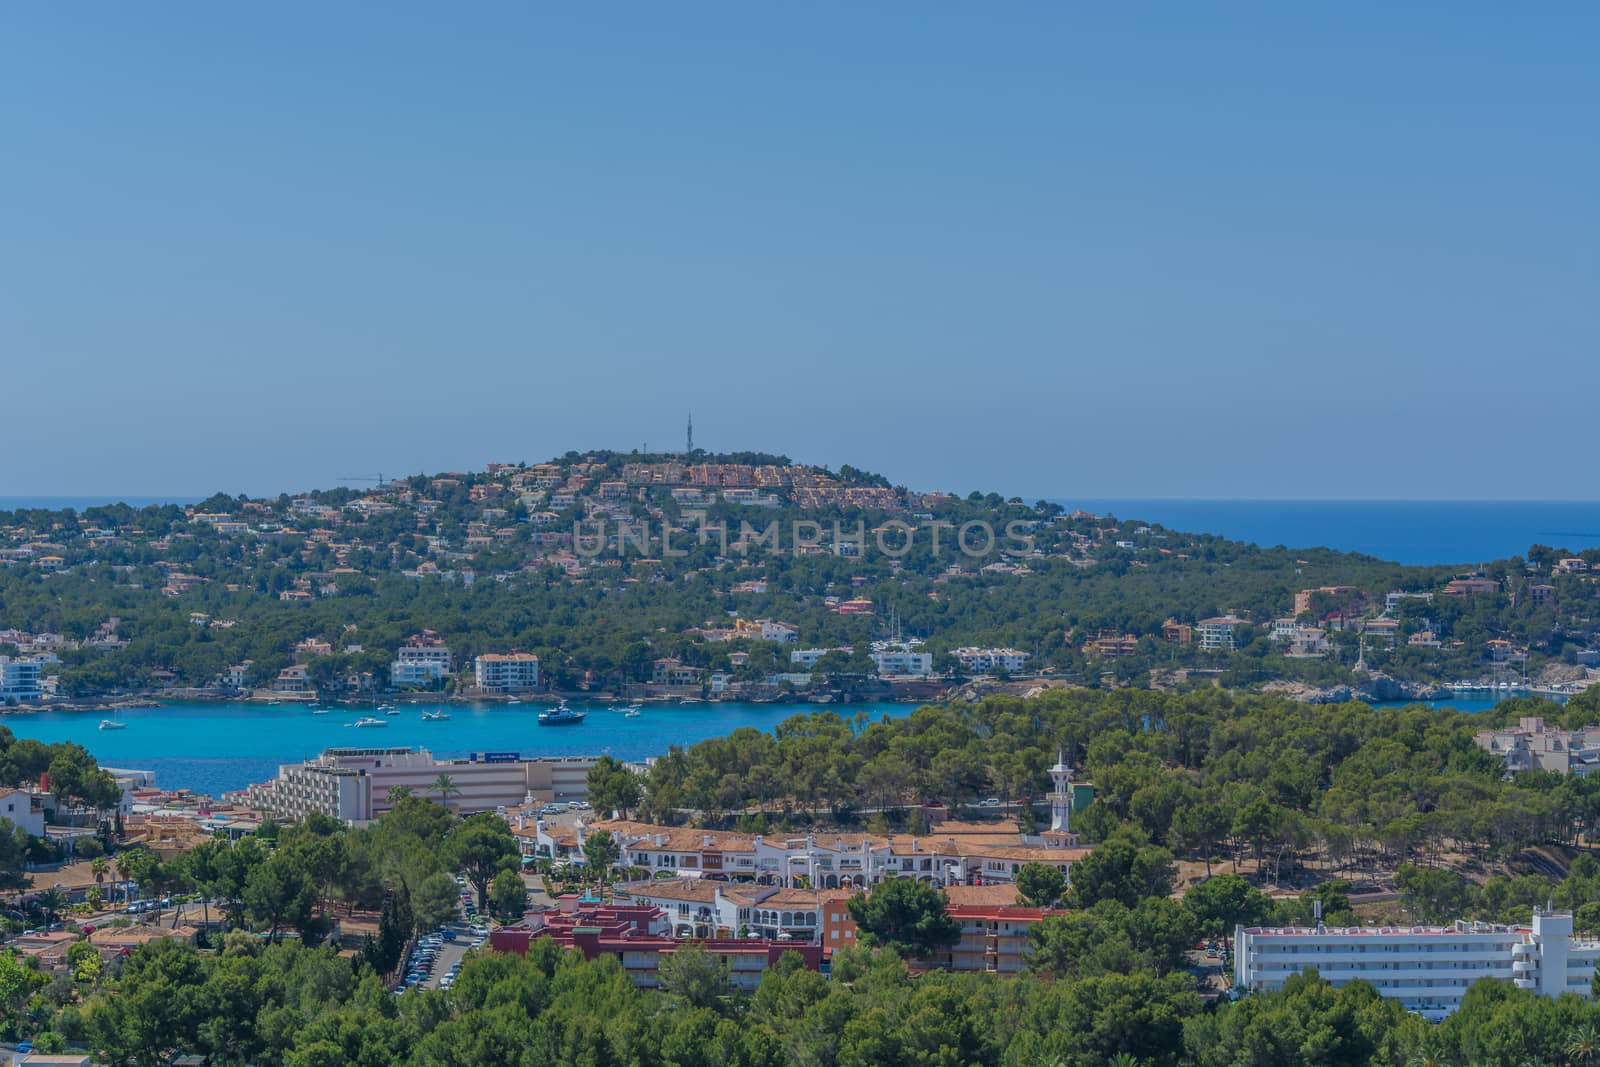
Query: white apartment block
pixel 420 661
pixel 807 657
pixel 985 660
pixel 1216 634
pixel 513 672
pixel 902 662
pixel 21 678
pixel 1427 968
pixel 354 784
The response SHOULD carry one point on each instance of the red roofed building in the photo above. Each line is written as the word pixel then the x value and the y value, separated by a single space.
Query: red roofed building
pixel 992 938
pixel 626 932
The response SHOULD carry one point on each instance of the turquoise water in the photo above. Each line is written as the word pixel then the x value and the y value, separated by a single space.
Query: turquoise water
pixel 212 748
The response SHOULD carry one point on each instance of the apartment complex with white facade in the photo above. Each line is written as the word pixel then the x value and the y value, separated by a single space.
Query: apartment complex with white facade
pixel 951 855
pixel 986 660
pixel 1216 634
pixel 1427 968
pixel 21 678
pixel 422 660
pixel 514 672
pixel 901 659
pixel 355 784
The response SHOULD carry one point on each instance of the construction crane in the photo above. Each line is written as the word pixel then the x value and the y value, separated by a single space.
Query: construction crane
pixel 378 479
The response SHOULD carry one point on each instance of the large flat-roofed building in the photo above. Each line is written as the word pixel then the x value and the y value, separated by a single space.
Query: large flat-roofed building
pixel 1216 634
pixel 422 660
pixel 356 784
pixel 21 678
pixel 1427 968
pixel 513 672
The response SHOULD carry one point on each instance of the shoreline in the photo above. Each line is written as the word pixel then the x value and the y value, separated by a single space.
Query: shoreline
pixel 264 700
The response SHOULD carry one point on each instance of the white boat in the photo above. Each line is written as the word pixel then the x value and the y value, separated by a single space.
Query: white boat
pixel 435 716
pixel 112 724
pixel 367 721
pixel 321 711
pixel 513 700
pixel 631 713
pixel 392 711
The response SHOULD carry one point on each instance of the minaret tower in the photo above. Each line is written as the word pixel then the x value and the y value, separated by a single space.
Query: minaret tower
pixel 1060 834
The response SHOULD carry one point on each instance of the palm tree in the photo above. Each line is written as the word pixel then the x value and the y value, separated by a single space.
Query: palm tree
pixel 397 793
pixel 1583 1045
pixel 1430 1054
pixel 124 867
pixel 446 787
pixel 52 901
pixel 99 866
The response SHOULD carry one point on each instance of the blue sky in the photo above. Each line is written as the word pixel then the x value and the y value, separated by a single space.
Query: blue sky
pixel 1265 250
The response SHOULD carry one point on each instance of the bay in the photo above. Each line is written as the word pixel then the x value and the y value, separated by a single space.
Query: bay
pixel 215 747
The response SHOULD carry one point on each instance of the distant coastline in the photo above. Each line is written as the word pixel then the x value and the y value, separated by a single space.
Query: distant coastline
pixel 1412 532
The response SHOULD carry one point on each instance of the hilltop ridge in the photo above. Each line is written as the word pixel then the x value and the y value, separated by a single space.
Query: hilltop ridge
pixel 737 574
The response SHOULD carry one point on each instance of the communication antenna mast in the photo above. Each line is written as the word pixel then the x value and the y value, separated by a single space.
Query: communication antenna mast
pixel 688 440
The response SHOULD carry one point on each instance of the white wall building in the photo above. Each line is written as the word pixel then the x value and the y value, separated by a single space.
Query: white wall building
pixel 21 678
pixel 514 672
pixel 17 806
pixel 985 660
pixel 1217 634
pixel 420 661
pixel 1428 969
pixel 354 784
pixel 819 861
pixel 807 657
pixel 898 661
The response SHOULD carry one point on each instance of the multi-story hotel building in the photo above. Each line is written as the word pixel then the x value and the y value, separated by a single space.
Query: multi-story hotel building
pixel 1216 634
pixel 420 661
pixel 1427 968
pixel 20 678
pixel 514 672
pixel 355 784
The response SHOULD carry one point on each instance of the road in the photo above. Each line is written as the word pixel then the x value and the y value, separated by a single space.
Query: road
pixel 449 955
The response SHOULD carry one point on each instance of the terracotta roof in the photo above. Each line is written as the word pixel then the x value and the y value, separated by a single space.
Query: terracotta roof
pixel 117 936
pixel 693 890
pixel 982 896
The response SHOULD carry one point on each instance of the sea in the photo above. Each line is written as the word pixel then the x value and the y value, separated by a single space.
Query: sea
pixel 214 747
pixel 78 503
pixel 1415 532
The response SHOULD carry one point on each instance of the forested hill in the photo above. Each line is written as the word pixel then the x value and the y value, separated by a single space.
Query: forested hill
pixel 605 563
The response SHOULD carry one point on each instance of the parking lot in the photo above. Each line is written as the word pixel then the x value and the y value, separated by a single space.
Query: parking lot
pixel 435 956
